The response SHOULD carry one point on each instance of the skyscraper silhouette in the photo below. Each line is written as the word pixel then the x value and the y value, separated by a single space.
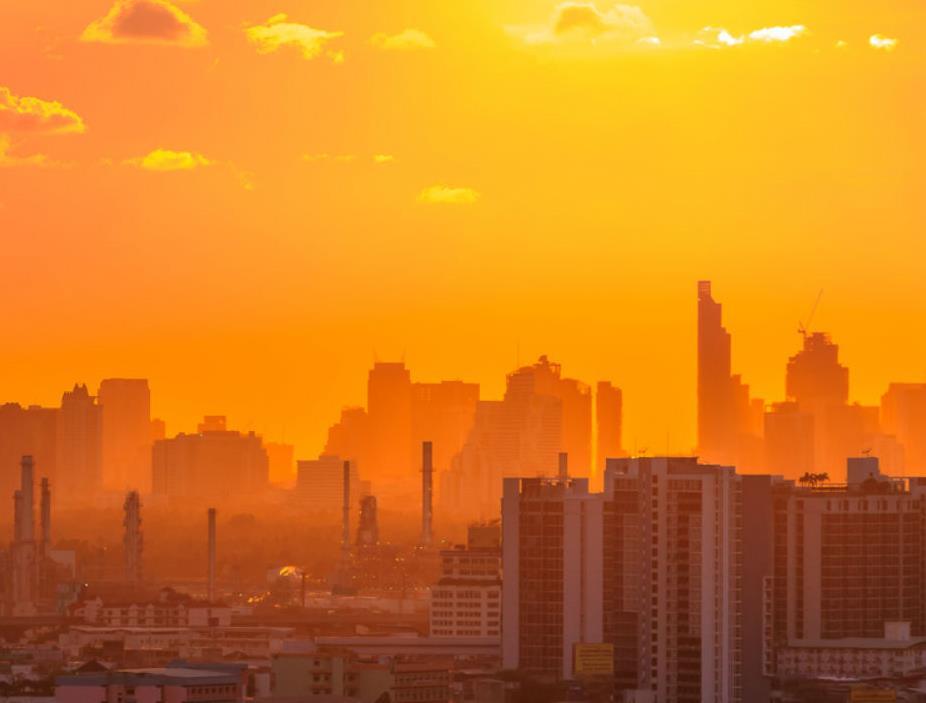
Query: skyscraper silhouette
pixel 79 445
pixel 729 422
pixel 126 433
pixel 609 410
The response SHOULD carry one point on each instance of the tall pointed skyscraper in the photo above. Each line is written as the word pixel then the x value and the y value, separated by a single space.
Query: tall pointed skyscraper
pixel 729 422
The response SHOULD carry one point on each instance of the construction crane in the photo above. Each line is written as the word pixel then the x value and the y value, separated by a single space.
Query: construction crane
pixel 804 329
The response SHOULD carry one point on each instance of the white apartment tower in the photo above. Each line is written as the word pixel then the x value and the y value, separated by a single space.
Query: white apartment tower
pixel 651 566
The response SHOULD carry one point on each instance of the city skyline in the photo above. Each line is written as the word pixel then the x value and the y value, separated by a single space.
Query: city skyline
pixel 670 164
pixel 491 351
pixel 630 416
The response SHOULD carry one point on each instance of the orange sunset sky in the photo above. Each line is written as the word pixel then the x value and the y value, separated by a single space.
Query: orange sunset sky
pixel 247 201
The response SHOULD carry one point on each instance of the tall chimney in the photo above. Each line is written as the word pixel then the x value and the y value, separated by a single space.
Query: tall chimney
pixel 46 518
pixel 23 550
pixel 345 535
pixel 563 466
pixel 27 490
pixel 132 539
pixel 210 584
pixel 427 470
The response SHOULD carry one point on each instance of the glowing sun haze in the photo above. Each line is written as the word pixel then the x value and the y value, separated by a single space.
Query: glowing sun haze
pixel 248 202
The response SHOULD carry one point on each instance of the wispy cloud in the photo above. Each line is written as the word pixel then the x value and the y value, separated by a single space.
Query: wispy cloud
pixel 347 158
pixel 8 160
pixel 718 37
pixel 28 114
pixel 882 43
pixel 337 158
pixel 447 195
pixel 581 21
pixel 770 35
pixel 278 32
pixel 146 22
pixel 164 160
pixel 406 40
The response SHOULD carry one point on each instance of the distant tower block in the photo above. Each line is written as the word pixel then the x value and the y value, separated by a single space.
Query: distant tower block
pixel 427 478
pixel 210 586
pixel 563 466
pixel 345 508
pixel 132 539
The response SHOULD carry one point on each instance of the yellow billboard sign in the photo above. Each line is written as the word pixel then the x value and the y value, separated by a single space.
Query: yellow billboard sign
pixel 870 694
pixel 594 659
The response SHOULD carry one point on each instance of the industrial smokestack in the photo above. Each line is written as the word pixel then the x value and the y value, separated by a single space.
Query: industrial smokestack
pixel 345 536
pixel 46 518
pixel 132 539
pixel 210 584
pixel 427 470
pixel 23 550
pixel 563 466
pixel 26 526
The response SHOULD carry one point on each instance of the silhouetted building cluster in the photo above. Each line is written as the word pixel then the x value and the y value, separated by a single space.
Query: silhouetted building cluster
pixel 815 427
pixel 215 461
pixel 475 442
pixel 88 444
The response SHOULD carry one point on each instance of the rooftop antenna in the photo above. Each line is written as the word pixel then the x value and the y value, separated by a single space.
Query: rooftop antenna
pixel 804 329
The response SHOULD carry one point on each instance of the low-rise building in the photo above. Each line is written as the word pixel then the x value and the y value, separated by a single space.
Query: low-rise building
pixel 895 655
pixel 320 672
pixel 169 609
pixel 467 599
pixel 215 683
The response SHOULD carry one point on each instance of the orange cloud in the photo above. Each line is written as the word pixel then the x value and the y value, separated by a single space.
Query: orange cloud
pixel 277 33
pixel 146 22
pixel 406 40
pixel 27 114
pixel 447 195
pixel 7 160
pixel 164 160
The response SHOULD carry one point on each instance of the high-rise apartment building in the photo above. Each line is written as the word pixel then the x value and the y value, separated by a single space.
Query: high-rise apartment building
pixel 849 558
pixel 552 558
pixel 78 445
pixel 672 563
pixel 126 433
pixel 651 567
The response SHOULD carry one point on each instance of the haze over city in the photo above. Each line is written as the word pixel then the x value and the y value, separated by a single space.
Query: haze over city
pixel 608 177
pixel 498 351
